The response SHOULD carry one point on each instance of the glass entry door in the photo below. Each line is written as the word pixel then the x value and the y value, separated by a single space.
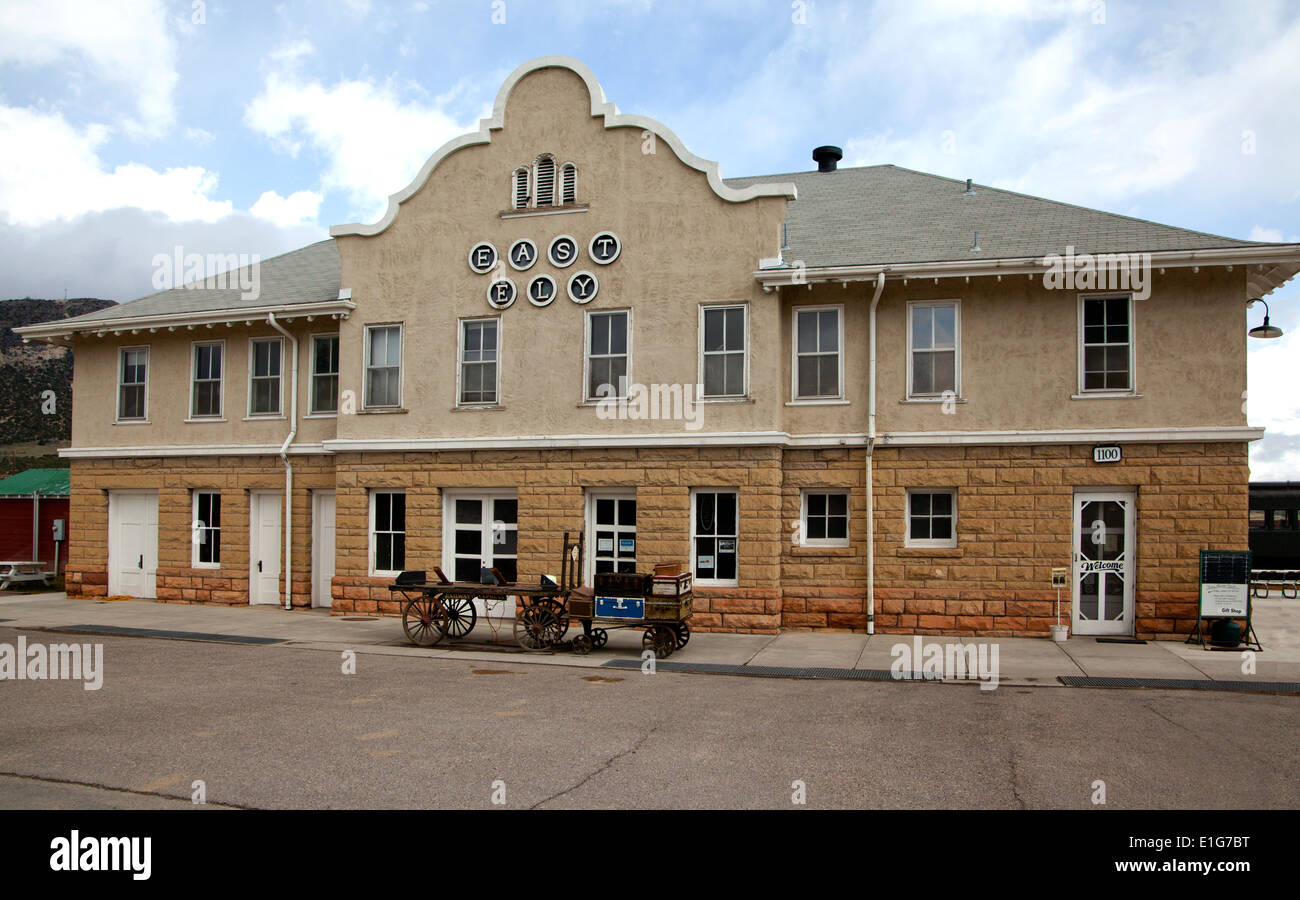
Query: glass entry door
pixel 1103 562
pixel 611 532
pixel 480 529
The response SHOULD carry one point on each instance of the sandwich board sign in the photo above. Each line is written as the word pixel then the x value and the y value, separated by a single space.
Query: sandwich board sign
pixel 1225 584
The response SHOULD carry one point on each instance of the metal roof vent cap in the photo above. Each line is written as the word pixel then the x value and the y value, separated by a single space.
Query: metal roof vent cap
pixel 827 157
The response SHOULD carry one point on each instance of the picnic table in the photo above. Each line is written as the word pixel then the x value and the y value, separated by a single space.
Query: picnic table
pixel 22 570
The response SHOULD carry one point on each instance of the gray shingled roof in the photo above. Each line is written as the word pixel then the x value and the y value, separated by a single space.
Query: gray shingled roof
pixel 309 275
pixel 876 215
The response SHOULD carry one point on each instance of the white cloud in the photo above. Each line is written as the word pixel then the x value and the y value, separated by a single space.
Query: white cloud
pixel 126 43
pixel 1271 236
pixel 51 170
pixel 299 208
pixel 374 141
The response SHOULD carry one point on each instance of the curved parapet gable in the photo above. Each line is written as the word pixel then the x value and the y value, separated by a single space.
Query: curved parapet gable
pixel 599 107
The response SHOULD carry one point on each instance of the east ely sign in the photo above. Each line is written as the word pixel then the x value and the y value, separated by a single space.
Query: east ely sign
pixel 563 251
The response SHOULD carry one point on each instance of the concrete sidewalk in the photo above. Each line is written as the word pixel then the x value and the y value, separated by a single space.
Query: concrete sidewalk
pixel 1022 661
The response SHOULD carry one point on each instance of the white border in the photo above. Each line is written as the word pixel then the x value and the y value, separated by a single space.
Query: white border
pixel 460 361
pixel 279 410
pixel 550 247
pixel 705 307
pixel 365 364
pixel 555 290
pixel 568 286
pixel 117 399
pixel 795 399
pixel 514 293
pixel 190 415
pixel 311 377
pixel 845 541
pixel 956 337
pixel 194 517
pixel 586 354
pixel 928 543
pixel 496 257
pixel 1132 347
pixel 599 108
pixel 370 531
pixel 618 248
pixel 714 582
pixel 510 254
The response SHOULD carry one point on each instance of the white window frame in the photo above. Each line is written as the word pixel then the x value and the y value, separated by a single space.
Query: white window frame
pixel 928 543
pixel 537 182
pixel 514 188
pixel 704 309
pixel 559 179
pixel 806 541
pixel 194 517
pixel 794 354
pixel 956 339
pixel 117 400
pixel 401 365
pixel 607 493
pixel 460 361
pixel 252 362
pixel 371 543
pixel 586 353
pixel 219 416
pixel 1131 391
pixel 714 582
pixel 487 497
pixel 312 412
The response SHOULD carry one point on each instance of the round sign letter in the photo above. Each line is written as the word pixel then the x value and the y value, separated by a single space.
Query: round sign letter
pixel 482 258
pixel 563 251
pixel 501 294
pixel 605 248
pixel 583 287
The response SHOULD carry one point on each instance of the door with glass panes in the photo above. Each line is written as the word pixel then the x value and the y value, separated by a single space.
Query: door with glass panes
pixel 611 532
pixel 480 529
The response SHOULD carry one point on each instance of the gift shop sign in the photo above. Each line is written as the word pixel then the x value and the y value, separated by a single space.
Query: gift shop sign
pixel 580 285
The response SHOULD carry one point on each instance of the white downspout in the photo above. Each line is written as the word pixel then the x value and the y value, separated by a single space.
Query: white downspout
pixel 871 449
pixel 288 466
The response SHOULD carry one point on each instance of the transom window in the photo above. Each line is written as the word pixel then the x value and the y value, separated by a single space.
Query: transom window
pixel 714 521
pixel 205 392
pixel 933 352
pixel 264 386
pixel 818 360
pixel 1107 347
pixel 825 518
pixel 387 532
pixel 207 529
pixel 133 375
pixel 383 366
pixel 607 354
pixel 478 361
pixel 723 349
pixel 324 374
pixel 931 518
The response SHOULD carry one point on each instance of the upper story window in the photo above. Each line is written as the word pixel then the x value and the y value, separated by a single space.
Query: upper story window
pixel 1106 344
pixel 569 183
pixel 383 366
pixel 478 362
pixel 933 360
pixel 544 184
pixel 264 377
pixel 607 354
pixel 205 389
pixel 544 181
pixel 132 384
pixel 818 354
pixel 324 374
pixel 723 343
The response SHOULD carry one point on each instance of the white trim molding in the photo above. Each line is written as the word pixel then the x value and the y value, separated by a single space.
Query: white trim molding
pixel 63 328
pixel 600 108
pixel 297 449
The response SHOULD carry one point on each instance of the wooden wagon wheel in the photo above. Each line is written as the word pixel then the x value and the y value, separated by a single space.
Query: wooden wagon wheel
pixel 660 639
pixel 559 612
pixel 683 634
pixel 461 616
pixel 536 627
pixel 599 637
pixel 425 620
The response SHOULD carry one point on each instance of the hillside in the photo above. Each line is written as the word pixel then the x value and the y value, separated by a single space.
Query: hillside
pixel 28 370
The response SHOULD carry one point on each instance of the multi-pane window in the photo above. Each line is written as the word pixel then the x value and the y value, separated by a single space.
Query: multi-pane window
pixel 613 518
pixel 383 365
pixel 826 518
pixel 607 355
pixel 133 375
pixel 931 518
pixel 206 528
pixel 817 354
pixel 724 351
pixel 713 535
pixel 478 361
pixel 205 394
pixel 483 532
pixel 933 358
pixel 387 531
pixel 1107 344
pixel 324 374
pixel 264 387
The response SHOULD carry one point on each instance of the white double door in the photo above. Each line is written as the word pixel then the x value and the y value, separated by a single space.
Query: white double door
pixel 264 547
pixel 480 530
pixel 133 544
pixel 1103 569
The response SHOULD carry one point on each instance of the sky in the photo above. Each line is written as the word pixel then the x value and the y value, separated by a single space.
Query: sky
pixel 129 128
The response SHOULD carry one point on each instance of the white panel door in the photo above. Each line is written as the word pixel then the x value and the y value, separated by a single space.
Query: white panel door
pixel 133 544
pixel 1104 523
pixel 264 548
pixel 322 547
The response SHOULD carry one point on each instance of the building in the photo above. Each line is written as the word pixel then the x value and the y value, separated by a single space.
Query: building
pixel 31 502
pixel 918 396
pixel 1275 526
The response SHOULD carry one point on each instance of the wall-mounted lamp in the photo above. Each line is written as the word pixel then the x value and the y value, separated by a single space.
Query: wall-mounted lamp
pixel 1266 330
